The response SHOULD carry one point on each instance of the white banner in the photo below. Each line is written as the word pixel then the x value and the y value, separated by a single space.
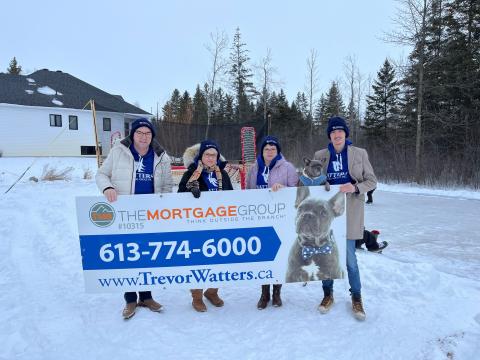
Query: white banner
pixel 145 242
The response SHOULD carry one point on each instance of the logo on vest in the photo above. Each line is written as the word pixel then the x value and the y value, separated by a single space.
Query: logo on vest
pixel 140 166
pixel 338 165
pixel 266 172
pixel 212 180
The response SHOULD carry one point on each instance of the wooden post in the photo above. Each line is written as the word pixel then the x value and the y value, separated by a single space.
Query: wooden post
pixel 97 148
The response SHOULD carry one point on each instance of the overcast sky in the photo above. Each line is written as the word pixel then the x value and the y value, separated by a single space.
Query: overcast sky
pixel 142 50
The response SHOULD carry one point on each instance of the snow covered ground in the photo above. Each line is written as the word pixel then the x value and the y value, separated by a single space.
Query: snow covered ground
pixel 422 296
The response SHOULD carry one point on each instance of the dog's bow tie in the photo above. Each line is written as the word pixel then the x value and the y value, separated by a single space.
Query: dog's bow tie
pixel 309 251
pixel 313 182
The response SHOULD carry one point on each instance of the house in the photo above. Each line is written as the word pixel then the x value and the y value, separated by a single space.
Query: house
pixel 46 113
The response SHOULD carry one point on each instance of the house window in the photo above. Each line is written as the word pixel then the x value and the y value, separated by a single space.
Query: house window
pixel 107 124
pixel 55 120
pixel 89 150
pixel 126 127
pixel 73 122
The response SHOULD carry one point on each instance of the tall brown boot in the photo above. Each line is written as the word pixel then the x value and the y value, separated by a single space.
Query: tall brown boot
pixel 212 295
pixel 197 302
pixel 264 298
pixel 276 299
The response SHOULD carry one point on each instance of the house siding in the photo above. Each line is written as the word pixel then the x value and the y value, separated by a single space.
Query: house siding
pixel 26 131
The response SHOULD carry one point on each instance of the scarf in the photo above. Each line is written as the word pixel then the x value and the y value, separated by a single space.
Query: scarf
pixel 264 171
pixel 212 176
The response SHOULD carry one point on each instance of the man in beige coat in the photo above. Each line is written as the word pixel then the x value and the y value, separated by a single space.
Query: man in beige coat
pixel 349 167
pixel 136 165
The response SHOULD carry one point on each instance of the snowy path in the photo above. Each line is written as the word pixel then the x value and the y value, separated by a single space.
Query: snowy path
pixel 421 296
pixel 439 230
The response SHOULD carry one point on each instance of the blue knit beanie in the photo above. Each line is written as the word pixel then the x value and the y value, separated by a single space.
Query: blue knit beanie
pixel 337 123
pixel 270 140
pixel 139 123
pixel 205 145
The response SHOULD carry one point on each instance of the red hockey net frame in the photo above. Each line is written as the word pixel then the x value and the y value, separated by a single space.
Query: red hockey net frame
pixel 249 152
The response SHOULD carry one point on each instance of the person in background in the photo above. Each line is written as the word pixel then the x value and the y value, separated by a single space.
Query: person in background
pixel 370 196
pixel 370 239
pixel 271 170
pixel 205 172
pixel 349 167
pixel 136 165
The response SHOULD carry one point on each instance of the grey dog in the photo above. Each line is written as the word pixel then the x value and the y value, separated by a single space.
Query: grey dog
pixel 313 174
pixel 314 254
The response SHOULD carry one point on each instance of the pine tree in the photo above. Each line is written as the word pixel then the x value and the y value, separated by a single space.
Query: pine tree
pixel 455 79
pixel 185 114
pixel 200 107
pixel 14 68
pixel 334 103
pixel 318 114
pixel 240 75
pixel 302 105
pixel 219 110
pixel 171 109
pixel 229 110
pixel 383 105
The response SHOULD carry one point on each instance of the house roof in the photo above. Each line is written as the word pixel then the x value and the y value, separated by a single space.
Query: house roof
pixel 61 90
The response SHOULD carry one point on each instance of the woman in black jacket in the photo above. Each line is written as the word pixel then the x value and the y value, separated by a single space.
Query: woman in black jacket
pixel 205 172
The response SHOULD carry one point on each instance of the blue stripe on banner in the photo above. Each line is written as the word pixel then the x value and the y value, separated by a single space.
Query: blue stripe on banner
pixel 186 248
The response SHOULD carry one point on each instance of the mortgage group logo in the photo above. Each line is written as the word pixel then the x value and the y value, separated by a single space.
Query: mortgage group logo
pixel 261 211
pixel 102 214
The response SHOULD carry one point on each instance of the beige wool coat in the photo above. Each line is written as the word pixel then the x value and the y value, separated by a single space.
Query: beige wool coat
pixel 361 172
pixel 118 170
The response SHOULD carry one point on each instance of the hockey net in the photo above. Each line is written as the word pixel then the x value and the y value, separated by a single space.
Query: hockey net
pixel 249 152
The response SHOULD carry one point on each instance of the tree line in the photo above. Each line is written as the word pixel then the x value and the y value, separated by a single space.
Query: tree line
pixel 418 119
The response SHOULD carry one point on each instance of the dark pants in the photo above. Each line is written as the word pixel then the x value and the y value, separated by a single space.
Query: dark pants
pixel 369 239
pixel 370 196
pixel 131 296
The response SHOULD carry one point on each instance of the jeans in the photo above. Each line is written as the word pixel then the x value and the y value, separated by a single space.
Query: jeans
pixel 353 273
pixel 131 296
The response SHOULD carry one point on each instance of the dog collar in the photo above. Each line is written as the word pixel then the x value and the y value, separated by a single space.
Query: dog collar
pixel 307 181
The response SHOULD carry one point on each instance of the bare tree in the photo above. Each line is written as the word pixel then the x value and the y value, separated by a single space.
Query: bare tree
pixel 411 20
pixel 266 73
pixel 351 70
pixel 361 83
pixel 312 82
pixel 218 44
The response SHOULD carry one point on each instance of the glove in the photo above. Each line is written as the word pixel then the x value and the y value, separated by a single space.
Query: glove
pixel 194 188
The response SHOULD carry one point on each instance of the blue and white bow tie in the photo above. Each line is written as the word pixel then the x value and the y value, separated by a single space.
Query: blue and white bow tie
pixel 309 251
pixel 313 182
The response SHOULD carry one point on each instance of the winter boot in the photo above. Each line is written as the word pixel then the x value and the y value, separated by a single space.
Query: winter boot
pixel 212 295
pixel 197 302
pixel 151 304
pixel 276 299
pixel 381 245
pixel 129 310
pixel 264 298
pixel 327 302
pixel 357 308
